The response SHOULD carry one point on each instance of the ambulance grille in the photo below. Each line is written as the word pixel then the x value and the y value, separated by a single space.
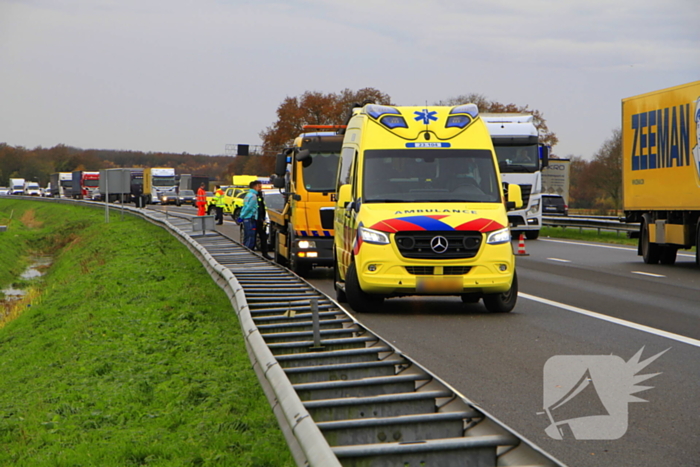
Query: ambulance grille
pixel 460 245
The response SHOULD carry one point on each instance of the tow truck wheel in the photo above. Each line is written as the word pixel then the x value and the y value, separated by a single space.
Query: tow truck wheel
pixel 279 259
pixel 532 234
pixel 359 300
pixel 297 268
pixel 503 302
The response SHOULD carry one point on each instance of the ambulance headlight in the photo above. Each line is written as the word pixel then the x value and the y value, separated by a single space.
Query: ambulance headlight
pixel 373 236
pixel 498 237
pixel 306 244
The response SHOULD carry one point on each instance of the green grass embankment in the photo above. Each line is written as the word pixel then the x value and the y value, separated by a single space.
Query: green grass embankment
pixel 573 233
pixel 131 355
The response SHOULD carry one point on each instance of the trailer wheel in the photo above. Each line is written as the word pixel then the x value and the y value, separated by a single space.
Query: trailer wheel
pixel 651 252
pixel 668 255
pixel 503 302
pixel 697 246
pixel 359 300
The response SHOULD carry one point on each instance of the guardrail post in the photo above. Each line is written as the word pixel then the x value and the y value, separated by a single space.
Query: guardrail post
pixel 316 325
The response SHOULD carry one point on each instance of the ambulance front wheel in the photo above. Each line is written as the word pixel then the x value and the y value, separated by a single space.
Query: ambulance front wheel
pixel 503 302
pixel 359 300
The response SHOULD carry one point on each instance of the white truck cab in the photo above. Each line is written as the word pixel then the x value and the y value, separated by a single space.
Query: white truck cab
pixel 521 159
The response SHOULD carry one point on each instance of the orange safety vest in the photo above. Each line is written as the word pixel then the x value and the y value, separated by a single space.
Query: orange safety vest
pixel 201 197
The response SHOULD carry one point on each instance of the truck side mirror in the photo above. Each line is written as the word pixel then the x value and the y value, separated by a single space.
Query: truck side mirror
pixel 303 155
pixel 278 182
pixel 544 156
pixel 281 166
pixel 514 196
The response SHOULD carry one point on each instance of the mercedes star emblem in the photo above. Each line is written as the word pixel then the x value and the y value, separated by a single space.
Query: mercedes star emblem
pixel 438 244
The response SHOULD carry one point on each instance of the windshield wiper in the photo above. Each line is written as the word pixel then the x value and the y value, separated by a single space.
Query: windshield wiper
pixel 505 167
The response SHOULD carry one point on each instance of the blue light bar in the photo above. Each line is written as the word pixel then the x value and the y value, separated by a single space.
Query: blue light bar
pixel 376 111
pixel 469 109
pixel 393 121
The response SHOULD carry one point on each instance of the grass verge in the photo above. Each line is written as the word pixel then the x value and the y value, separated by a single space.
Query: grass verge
pixel 573 233
pixel 129 355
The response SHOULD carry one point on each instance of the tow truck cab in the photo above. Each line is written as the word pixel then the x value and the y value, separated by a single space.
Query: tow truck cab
pixel 421 209
pixel 303 230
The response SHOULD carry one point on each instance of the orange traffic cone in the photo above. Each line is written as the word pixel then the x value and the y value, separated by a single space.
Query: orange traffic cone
pixel 521 246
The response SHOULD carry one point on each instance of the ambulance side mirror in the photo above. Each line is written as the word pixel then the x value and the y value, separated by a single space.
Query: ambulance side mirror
pixel 514 196
pixel 344 196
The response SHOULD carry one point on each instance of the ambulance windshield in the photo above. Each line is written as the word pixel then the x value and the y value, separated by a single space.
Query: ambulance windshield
pixel 430 175
pixel 320 173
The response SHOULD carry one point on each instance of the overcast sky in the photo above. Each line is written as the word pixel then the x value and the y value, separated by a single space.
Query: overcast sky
pixel 192 76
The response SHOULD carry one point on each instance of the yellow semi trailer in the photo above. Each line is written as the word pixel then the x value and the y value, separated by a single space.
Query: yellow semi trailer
pixel 661 170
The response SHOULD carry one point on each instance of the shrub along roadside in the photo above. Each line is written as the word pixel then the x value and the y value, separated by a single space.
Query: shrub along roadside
pixel 131 355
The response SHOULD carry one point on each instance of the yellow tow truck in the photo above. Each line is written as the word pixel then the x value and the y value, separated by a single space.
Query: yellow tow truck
pixel 302 231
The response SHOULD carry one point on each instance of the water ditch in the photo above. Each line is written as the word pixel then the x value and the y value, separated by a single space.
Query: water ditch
pixel 17 296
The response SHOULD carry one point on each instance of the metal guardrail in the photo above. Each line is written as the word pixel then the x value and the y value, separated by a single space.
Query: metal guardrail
pixel 343 395
pixel 590 223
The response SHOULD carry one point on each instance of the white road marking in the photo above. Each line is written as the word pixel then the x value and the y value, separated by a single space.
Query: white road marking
pixel 610 319
pixel 647 274
pixel 602 246
pixel 559 260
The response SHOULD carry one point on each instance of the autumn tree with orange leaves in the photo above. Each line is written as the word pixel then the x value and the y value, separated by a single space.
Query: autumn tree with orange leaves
pixel 314 108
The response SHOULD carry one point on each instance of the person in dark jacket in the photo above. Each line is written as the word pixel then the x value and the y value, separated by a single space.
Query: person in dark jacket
pixel 260 227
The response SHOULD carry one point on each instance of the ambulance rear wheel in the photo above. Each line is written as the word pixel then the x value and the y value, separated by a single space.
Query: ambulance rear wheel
pixel 359 300
pixel 650 251
pixel 503 302
pixel 340 294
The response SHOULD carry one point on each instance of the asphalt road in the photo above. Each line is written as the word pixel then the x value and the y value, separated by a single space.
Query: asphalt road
pixel 571 295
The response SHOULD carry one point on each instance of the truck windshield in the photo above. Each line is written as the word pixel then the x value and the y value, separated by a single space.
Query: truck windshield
pixel 92 183
pixel 426 175
pixel 517 158
pixel 320 174
pixel 163 181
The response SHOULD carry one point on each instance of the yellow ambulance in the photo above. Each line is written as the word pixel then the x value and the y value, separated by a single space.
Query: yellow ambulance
pixel 421 209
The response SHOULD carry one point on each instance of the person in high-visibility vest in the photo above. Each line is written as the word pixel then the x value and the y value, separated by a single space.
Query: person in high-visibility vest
pixel 219 203
pixel 201 201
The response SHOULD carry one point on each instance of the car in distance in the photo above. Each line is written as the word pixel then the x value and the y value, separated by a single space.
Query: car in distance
pixel 186 197
pixel 554 205
pixel 169 197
